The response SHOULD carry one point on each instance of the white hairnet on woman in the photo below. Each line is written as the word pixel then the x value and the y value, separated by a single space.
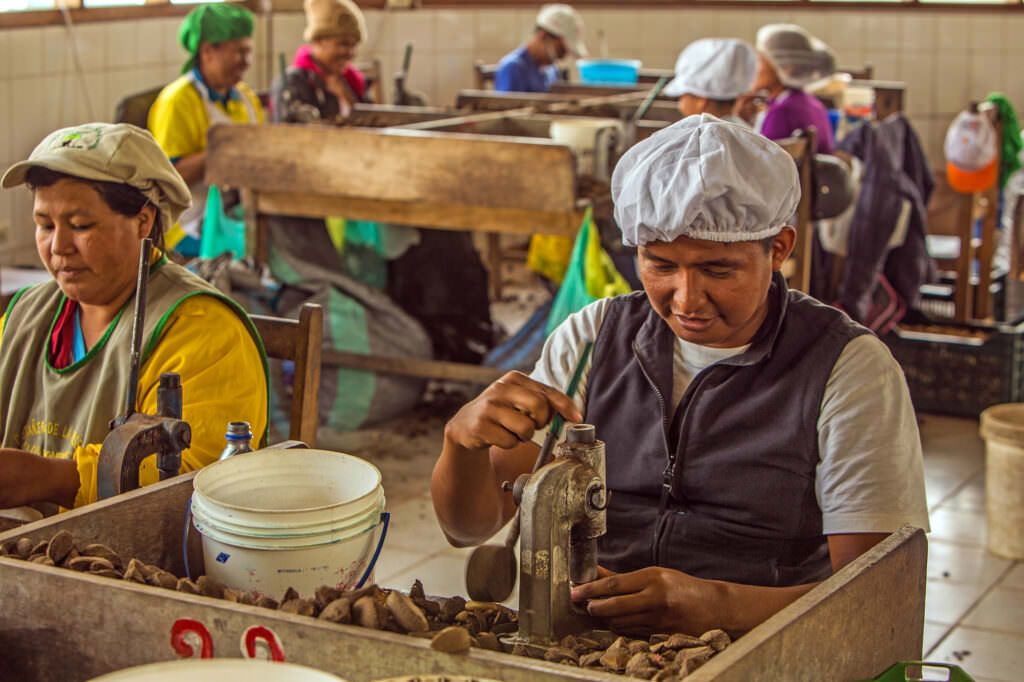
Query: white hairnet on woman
pixel 798 57
pixel 711 74
pixel 790 59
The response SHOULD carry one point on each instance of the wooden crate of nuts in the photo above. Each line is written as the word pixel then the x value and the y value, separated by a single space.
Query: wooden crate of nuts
pixel 98 589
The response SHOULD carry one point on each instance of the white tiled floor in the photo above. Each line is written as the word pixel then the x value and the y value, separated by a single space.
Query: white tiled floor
pixel 974 609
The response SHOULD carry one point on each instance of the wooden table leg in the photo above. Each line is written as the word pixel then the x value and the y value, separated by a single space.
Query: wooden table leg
pixel 494 264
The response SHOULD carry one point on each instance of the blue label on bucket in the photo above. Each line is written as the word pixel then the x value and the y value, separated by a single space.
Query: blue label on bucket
pixel 223 557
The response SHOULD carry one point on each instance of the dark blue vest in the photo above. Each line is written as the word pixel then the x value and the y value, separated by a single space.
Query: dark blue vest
pixel 735 464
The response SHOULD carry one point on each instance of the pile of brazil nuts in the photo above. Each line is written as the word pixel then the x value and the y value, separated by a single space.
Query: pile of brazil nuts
pixel 453 625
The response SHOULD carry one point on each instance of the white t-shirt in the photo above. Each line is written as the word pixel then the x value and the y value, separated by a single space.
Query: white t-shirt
pixel 870 478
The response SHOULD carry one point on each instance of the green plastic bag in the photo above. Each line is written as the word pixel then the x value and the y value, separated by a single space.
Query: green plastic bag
pixel 221 232
pixel 336 231
pixel 591 276
pixel 1009 155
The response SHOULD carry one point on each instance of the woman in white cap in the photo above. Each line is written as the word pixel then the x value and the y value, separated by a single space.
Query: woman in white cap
pixel 322 84
pixel 99 190
pixel 756 439
pixel 711 74
pixel 532 67
pixel 790 60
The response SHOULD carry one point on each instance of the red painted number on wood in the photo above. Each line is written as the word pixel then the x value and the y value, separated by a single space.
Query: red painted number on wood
pixel 188 635
pixel 261 642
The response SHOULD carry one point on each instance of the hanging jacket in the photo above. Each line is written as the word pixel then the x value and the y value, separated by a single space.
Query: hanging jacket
pixel 895 171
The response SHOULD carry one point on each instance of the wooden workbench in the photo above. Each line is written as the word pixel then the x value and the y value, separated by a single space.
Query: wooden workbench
pixel 520 123
pixel 481 183
pixel 406 177
pixel 619 106
pixel 57 625
pixel 388 115
pixel 574 88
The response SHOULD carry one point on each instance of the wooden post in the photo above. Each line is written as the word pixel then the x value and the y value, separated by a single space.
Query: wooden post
pixel 987 205
pixel 1015 239
pixel 494 264
pixel 250 213
pixel 802 150
pixel 962 295
pixel 300 341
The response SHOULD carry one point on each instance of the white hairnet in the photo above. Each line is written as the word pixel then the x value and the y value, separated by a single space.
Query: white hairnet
pixel 704 178
pixel 798 57
pixel 715 68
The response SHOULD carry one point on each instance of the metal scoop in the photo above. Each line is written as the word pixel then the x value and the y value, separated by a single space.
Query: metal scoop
pixel 492 569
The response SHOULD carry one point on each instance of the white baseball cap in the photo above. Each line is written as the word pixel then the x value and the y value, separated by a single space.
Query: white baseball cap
pixel 566 23
pixel 715 68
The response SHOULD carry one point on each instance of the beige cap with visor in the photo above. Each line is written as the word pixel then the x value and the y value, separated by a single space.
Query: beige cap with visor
pixel 111 152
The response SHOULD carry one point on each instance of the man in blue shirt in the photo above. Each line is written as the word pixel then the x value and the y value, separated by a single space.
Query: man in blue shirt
pixel 531 67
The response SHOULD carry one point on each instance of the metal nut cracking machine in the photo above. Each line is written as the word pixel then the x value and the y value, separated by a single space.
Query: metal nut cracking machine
pixel 562 514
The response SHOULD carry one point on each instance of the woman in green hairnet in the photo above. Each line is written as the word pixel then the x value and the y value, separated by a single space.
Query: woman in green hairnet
pixel 218 39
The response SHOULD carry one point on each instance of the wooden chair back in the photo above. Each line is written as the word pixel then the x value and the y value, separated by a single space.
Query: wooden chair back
pixel 798 268
pixel 134 109
pixel 972 295
pixel 299 341
pixel 483 75
pixel 956 214
pixel 864 73
pixel 374 79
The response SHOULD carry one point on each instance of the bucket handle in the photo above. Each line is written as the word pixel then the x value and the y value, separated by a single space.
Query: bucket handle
pixel 184 539
pixel 385 519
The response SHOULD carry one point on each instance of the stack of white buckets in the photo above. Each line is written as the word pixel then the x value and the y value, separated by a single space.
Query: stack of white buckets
pixel 275 519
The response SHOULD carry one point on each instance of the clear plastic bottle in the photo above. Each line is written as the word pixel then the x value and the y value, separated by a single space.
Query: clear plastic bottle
pixel 239 439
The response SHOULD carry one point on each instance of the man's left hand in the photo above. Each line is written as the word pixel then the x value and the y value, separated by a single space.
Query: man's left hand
pixel 653 599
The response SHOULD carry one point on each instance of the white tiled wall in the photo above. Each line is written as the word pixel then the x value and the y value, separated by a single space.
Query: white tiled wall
pixel 946 58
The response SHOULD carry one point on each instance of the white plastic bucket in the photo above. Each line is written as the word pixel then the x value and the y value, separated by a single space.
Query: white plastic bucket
pixel 1002 427
pixel 276 519
pixel 219 670
pixel 581 135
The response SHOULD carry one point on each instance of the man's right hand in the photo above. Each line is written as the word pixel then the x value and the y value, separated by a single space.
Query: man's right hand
pixel 508 413
pixel 487 442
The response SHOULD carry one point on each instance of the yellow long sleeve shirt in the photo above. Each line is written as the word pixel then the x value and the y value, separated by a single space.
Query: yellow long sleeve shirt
pixel 222 380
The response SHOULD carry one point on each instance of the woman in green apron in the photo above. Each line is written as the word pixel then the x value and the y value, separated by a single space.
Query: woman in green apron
pixel 98 191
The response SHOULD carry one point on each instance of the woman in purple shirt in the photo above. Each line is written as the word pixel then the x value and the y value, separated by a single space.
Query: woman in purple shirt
pixel 789 59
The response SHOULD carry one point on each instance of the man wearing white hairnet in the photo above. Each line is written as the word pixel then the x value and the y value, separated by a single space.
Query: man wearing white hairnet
pixel 757 440
pixel 711 74
pixel 790 59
